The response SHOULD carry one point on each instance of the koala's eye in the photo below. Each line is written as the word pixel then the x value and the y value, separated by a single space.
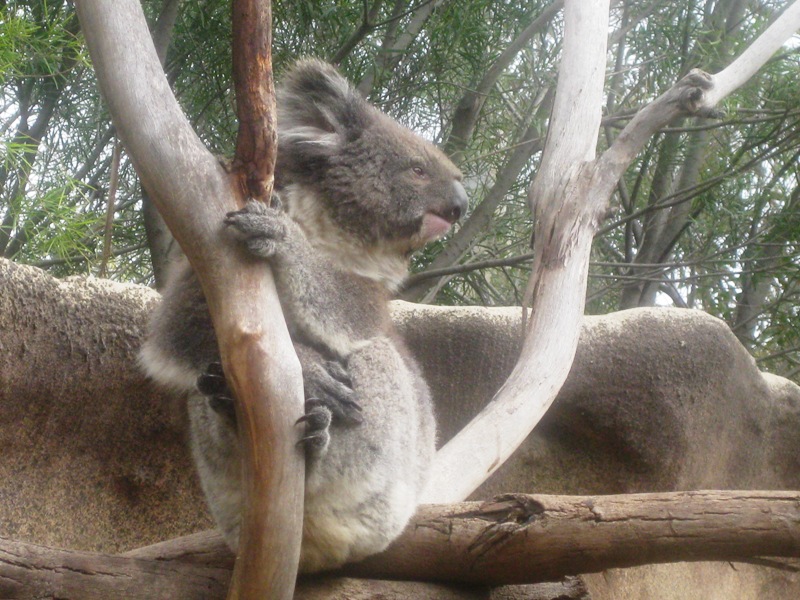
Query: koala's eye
pixel 419 171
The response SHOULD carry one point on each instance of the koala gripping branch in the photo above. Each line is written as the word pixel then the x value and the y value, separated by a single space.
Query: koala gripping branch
pixel 193 193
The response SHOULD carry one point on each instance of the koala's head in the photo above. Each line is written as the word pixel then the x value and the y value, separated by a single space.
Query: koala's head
pixel 376 180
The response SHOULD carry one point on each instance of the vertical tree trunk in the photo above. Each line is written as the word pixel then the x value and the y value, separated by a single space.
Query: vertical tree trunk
pixel 193 192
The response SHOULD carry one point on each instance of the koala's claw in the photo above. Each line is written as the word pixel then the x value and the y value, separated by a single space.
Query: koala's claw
pixel 259 226
pixel 275 202
pixel 212 384
pixel 317 421
pixel 338 372
pixel 212 381
pixel 335 395
pixel 346 410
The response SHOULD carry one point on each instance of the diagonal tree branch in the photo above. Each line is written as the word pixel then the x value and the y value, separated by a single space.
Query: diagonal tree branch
pixel 160 241
pixel 393 49
pixel 367 25
pixel 471 103
pixel 162 32
pixel 697 94
pixel 755 55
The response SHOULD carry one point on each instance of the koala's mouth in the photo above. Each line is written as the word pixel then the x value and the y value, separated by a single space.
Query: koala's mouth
pixel 433 226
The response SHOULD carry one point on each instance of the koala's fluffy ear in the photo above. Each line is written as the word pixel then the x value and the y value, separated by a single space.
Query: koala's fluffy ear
pixel 317 107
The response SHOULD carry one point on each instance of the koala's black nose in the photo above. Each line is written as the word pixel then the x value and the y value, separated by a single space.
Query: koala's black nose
pixel 459 204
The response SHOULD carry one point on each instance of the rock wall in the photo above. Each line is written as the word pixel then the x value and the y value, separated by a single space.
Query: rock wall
pixel 94 458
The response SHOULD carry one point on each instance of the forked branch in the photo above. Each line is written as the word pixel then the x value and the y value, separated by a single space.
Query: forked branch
pixel 570 197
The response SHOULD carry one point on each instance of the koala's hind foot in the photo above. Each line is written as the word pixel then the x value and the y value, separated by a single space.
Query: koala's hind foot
pixel 317 421
pixel 259 226
pixel 320 413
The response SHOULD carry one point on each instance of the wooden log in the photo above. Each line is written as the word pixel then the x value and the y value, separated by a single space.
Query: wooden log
pixel 515 539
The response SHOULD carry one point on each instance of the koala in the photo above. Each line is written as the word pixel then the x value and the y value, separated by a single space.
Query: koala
pixel 358 194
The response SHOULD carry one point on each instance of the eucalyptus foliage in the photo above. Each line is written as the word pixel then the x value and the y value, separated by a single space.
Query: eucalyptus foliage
pixel 706 218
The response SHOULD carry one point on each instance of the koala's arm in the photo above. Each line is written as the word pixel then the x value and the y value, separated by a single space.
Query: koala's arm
pixel 330 309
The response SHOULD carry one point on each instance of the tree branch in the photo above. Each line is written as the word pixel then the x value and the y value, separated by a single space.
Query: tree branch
pixel 516 538
pixel 565 224
pixel 393 49
pixel 684 98
pixel 509 261
pixel 160 241
pixel 111 199
pixel 696 94
pixel 162 32
pixel 256 143
pixel 259 573
pixel 521 538
pixel 755 55
pixel 469 107
pixel 367 25
pixel 193 192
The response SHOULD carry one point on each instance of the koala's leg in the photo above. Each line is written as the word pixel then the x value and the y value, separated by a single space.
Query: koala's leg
pixel 180 339
pixel 214 436
pixel 371 474
pixel 217 456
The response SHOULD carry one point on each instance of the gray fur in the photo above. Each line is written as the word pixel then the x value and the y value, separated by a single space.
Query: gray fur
pixel 361 193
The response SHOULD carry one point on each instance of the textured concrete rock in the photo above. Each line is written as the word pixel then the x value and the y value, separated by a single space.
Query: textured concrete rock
pixel 93 457
pixel 657 400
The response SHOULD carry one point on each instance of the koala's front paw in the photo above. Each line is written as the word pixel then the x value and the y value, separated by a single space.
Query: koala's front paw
pixel 214 386
pixel 259 226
